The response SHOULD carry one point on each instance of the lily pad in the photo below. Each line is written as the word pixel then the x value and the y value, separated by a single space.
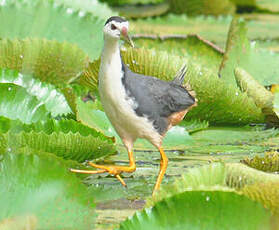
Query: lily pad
pixel 50 61
pixel 52 98
pixel 233 135
pixel 201 210
pixel 194 7
pixel 16 103
pixel 192 47
pixel 26 19
pixel 268 163
pixel 276 104
pixel 271 5
pixel 241 53
pixel 68 146
pixel 43 188
pixel 230 176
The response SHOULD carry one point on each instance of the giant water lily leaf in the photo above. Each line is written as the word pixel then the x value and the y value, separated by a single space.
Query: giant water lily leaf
pixel 47 20
pixel 271 5
pixel 262 97
pixel 193 47
pixel 52 98
pixel 261 26
pixel 220 176
pixel 201 210
pixel 16 103
pixel 49 126
pixel 233 135
pixel 50 61
pixel 66 138
pixel 131 2
pixel 217 101
pixel 268 163
pixel 194 7
pixel 86 6
pixel 276 104
pixel 245 3
pixel 194 125
pixel 41 186
pixel 142 11
pixel 240 53
pixel 95 7
pixel 70 145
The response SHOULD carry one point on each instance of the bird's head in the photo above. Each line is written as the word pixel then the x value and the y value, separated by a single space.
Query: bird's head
pixel 116 28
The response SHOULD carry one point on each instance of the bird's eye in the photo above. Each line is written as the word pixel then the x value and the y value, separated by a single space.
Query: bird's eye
pixel 113 27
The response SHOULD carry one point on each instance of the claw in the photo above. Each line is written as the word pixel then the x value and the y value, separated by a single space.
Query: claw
pixel 121 180
pixel 87 171
pixel 114 170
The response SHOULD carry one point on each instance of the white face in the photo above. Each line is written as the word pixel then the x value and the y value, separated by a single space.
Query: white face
pixel 113 29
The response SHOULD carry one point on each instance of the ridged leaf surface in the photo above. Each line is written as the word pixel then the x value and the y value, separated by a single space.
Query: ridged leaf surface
pixel 53 22
pixel 50 61
pixel 212 210
pixel 16 103
pixel 52 98
pixel 40 187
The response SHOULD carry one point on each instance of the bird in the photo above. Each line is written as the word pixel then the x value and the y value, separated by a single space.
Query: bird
pixel 137 106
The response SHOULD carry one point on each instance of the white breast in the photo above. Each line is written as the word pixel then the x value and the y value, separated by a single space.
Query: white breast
pixel 119 107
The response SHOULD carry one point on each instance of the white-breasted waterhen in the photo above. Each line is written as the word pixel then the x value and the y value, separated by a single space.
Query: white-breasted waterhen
pixel 138 106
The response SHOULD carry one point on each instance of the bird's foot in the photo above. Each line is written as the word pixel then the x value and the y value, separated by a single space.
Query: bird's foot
pixel 111 169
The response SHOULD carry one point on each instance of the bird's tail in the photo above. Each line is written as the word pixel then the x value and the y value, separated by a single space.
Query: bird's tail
pixel 179 79
pixel 180 75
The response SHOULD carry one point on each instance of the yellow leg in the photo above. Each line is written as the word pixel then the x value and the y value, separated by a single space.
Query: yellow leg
pixel 163 168
pixel 111 169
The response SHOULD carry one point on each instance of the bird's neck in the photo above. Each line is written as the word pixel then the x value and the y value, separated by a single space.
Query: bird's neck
pixel 111 65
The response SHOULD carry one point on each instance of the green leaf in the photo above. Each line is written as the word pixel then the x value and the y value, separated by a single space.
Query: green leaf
pixel 276 104
pixel 268 163
pixel 47 20
pixel 50 61
pixel 201 210
pixel 131 2
pixel 230 176
pixel 262 97
pixel 196 7
pixel 143 11
pixel 192 47
pixel 52 98
pixel 42 187
pixel 16 103
pixel 245 3
pixel 233 135
pixel 261 27
pixel 194 125
pixel 70 145
pixel 94 7
pixel 271 5
pixel 50 126
pixel 66 138
pixel 241 53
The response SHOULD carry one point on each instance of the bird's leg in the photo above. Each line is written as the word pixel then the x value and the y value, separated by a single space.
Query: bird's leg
pixel 163 168
pixel 111 169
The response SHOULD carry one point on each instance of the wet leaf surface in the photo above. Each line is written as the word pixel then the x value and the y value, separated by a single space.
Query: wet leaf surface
pixel 110 204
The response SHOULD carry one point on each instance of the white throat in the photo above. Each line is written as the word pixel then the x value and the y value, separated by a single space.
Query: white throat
pixel 110 73
pixel 110 59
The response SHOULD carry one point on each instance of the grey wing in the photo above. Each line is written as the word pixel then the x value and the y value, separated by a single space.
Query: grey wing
pixel 156 99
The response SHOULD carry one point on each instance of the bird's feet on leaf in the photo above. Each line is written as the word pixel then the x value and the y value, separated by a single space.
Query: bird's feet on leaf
pixel 111 169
